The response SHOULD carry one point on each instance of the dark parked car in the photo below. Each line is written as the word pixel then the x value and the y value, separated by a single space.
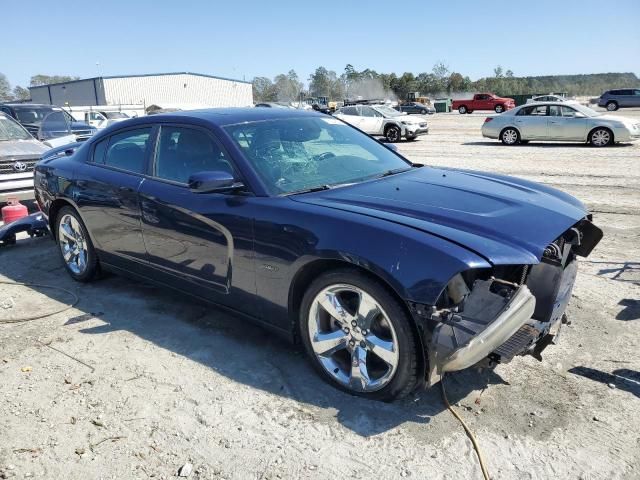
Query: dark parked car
pixel 614 99
pixel 389 273
pixel 415 107
pixel 32 115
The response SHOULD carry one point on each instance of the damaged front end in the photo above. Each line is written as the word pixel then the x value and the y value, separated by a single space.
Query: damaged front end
pixel 488 316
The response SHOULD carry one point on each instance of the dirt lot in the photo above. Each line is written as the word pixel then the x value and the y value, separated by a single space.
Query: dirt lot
pixel 164 381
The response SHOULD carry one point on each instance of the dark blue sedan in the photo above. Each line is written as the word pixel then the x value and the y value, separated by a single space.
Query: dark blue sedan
pixel 389 273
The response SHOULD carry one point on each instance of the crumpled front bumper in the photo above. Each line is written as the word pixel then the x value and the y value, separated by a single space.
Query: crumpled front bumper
pixel 514 315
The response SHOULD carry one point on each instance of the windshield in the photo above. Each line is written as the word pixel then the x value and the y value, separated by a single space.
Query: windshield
pixel 112 115
pixel 297 154
pixel 10 130
pixel 33 114
pixel 387 111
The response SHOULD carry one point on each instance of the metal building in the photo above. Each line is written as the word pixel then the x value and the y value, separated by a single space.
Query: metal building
pixel 180 90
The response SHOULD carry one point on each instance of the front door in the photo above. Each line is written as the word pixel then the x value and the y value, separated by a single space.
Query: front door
pixel 566 123
pixel 199 242
pixel 107 195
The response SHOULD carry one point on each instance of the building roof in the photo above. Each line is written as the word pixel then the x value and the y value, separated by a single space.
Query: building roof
pixel 141 75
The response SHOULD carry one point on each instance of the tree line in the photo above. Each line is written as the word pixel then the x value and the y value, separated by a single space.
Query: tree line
pixel 439 82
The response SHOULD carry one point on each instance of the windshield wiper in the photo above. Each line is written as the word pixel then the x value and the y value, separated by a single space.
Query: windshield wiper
pixel 392 172
pixel 319 188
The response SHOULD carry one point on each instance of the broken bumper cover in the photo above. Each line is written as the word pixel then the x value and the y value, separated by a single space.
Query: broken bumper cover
pixel 516 313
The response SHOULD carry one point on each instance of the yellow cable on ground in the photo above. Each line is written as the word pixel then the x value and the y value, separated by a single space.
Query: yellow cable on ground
pixel 470 434
pixel 43 315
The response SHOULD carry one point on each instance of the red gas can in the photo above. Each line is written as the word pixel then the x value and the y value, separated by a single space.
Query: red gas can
pixel 13 211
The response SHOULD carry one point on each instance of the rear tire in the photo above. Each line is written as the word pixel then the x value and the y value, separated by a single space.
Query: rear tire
pixel 510 136
pixel 601 137
pixel 76 249
pixel 499 109
pixel 462 109
pixel 423 112
pixel 390 333
pixel 393 134
pixel 612 106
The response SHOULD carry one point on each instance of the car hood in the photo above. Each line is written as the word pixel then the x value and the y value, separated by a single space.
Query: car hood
pixel 21 148
pixel 503 219
pixel 409 119
pixel 617 118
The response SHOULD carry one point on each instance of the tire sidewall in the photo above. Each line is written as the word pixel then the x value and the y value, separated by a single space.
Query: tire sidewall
pixel 398 135
pixel 502 136
pixel 405 377
pixel 92 259
pixel 610 142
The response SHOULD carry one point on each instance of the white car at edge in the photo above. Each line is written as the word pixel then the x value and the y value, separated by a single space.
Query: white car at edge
pixel 560 121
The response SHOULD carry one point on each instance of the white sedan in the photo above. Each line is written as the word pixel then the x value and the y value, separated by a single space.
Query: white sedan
pixel 555 121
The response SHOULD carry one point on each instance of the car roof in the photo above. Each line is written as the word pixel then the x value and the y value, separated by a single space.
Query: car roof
pixel 231 116
pixel 11 104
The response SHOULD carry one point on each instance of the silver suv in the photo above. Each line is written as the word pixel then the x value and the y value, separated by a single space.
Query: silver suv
pixel 615 99
pixel 19 152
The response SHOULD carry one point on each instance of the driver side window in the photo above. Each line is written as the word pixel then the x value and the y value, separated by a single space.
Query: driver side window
pixel 183 151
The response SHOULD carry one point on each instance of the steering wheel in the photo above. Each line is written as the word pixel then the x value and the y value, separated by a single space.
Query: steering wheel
pixel 324 156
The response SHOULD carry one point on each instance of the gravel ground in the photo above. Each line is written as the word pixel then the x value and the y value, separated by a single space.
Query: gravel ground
pixel 152 381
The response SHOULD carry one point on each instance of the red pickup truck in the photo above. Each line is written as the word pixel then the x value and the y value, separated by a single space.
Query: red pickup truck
pixel 484 101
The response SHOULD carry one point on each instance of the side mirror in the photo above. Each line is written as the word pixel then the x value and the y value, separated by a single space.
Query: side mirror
pixel 579 115
pixel 213 182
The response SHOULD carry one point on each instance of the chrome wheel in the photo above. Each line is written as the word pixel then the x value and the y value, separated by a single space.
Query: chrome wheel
pixel 462 109
pixel 612 106
pixel 353 338
pixel 600 138
pixel 510 136
pixel 72 244
pixel 499 109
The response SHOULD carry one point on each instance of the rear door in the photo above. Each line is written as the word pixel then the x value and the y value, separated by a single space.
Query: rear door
pixel 634 99
pixel 532 122
pixel 371 122
pixel 197 242
pixel 566 123
pixel 107 194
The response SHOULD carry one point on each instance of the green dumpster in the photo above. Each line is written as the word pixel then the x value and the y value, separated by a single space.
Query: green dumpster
pixel 443 105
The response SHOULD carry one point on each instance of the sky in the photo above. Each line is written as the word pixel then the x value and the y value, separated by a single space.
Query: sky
pixel 245 38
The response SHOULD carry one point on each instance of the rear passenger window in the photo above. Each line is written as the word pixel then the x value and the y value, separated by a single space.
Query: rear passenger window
pixel 349 111
pixel 184 151
pixel 536 110
pixel 99 151
pixel 127 150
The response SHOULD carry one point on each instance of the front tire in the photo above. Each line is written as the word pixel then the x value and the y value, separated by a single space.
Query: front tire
pixel 76 249
pixel 601 137
pixel 510 136
pixel 462 109
pixel 612 106
pixel 393 134
pixel 358 336
pixel 423 112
